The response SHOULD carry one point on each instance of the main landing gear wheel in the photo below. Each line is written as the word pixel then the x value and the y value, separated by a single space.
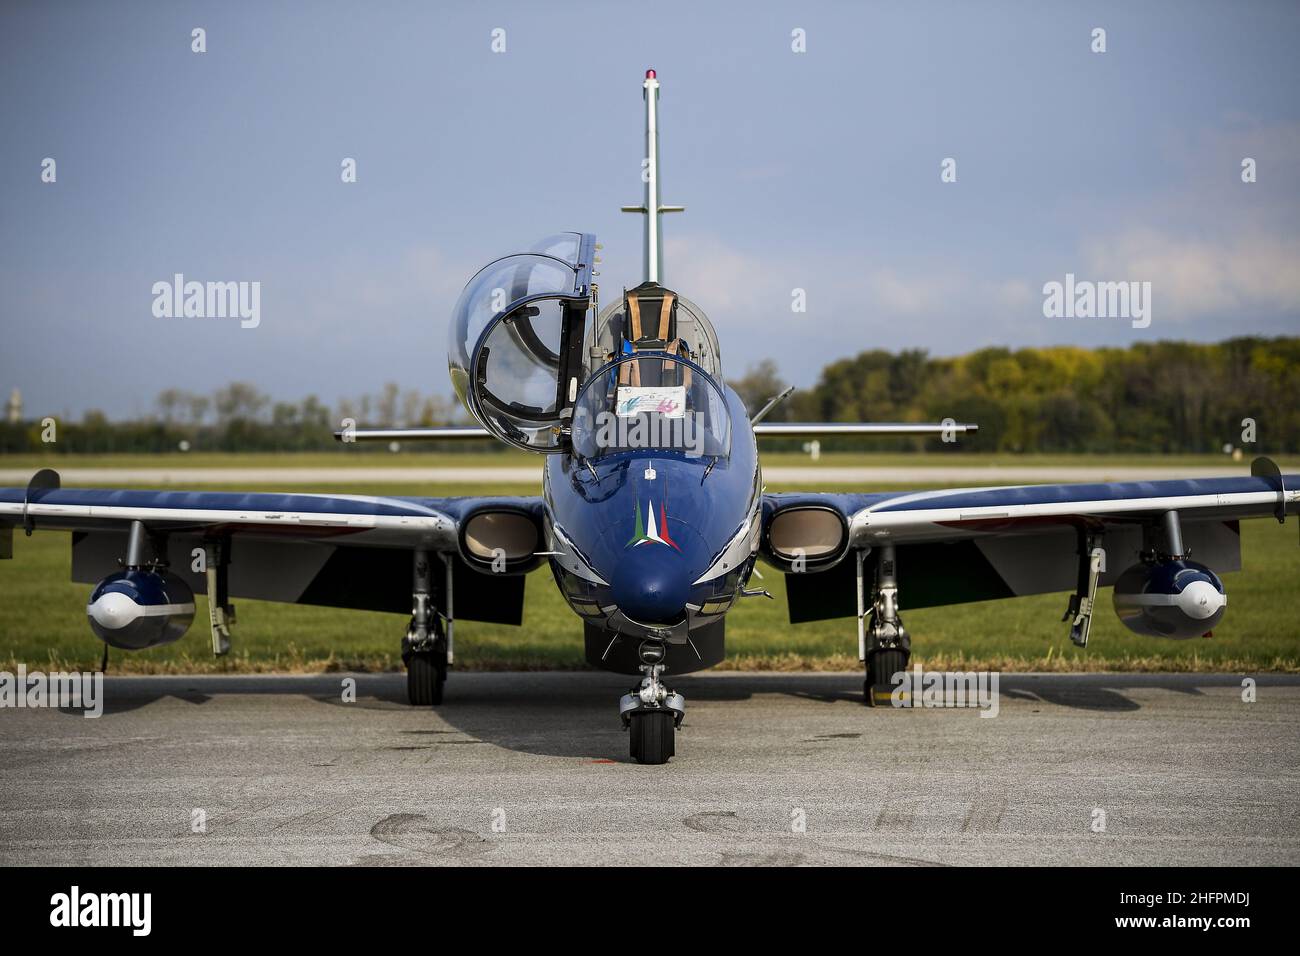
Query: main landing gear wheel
pixel 885 641
pixel 882 665
pixel 425 646
pixel 426 672
pixel 651 735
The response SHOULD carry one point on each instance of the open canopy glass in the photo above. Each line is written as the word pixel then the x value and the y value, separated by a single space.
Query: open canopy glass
pixel 514 350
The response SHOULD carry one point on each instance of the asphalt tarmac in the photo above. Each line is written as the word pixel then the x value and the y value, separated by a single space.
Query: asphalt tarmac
pixel 770 769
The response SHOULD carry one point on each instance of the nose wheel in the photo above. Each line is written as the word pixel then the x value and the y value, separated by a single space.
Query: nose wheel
pixel 651 715
pixel 651 736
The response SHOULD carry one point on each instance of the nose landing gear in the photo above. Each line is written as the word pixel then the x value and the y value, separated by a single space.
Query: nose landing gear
pixel 651 715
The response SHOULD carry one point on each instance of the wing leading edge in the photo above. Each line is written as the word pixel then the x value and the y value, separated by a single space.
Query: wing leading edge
pixel 973 544
pixel 350 551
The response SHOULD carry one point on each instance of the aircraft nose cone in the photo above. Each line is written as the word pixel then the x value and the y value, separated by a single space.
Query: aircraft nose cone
pixel 650 585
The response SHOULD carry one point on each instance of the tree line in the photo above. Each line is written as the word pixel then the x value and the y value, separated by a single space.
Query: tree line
pixel 238 417
pixel 1158 397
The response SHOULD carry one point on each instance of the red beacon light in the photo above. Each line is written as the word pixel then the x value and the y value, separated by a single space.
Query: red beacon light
pixel 649 74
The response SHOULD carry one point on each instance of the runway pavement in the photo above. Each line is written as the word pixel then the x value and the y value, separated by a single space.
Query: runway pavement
pixel 533 768
pixel 882 478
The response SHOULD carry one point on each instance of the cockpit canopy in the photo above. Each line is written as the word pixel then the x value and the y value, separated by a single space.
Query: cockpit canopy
pixel 521 350
pixel 651 401
pixel 510 351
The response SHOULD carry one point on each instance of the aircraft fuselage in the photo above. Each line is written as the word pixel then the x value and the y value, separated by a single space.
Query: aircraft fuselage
pixel 655 544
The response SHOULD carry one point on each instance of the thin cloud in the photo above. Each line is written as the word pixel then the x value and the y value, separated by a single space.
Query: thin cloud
pixel 1196 278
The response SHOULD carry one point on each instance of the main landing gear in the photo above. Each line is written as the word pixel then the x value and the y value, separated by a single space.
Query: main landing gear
pixel 884 645
pixel 651 713
pixel 426 649
pixel 426 673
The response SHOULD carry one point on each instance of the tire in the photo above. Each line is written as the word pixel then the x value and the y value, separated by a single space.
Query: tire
pixel 881 668
pixel 651 736
pixel 425 676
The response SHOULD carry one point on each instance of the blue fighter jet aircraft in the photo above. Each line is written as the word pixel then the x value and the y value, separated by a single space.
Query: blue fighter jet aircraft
pixel 652 514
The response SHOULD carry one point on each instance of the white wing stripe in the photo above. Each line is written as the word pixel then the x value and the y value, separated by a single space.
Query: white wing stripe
pixel 871 523
pixel 434 521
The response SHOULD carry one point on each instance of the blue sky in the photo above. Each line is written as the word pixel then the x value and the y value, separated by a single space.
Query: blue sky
pixel 817 170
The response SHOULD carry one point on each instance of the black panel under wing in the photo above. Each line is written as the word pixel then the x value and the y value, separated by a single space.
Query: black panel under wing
pixel 942 573
pixel 379 579
pixel 822 595
pixel 368 579
pixel 297 572
pixel 929 575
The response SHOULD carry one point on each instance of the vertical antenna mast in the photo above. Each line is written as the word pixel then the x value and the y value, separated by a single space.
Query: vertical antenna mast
pixel 651 208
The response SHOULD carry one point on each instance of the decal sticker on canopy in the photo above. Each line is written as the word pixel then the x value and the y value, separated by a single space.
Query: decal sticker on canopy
pixel 669 401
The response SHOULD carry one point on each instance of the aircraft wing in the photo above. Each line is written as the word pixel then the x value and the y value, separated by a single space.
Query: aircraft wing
pixel 844 429
pixel 761 429
pixel 974 544
pixel 351 551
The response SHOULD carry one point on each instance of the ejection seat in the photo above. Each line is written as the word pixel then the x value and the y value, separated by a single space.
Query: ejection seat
pixel 650 325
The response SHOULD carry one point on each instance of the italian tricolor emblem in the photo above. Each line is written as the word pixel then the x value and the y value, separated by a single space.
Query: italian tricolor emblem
pixel 648 530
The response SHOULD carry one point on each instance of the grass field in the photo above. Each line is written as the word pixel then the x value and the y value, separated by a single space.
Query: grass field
pixel 485 456
pixel 42 622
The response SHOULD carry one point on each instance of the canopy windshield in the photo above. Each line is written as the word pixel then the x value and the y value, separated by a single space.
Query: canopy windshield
pixel 655 402
pixel 507 353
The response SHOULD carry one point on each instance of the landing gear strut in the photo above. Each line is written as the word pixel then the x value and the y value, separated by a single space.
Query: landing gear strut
pixel 884 645
pixel 651 713
pixel 425 649
pixel 1083 602
pixel 221 613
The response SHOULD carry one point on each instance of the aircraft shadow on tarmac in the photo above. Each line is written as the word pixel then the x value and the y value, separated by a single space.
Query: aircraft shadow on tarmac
pixel 574 715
